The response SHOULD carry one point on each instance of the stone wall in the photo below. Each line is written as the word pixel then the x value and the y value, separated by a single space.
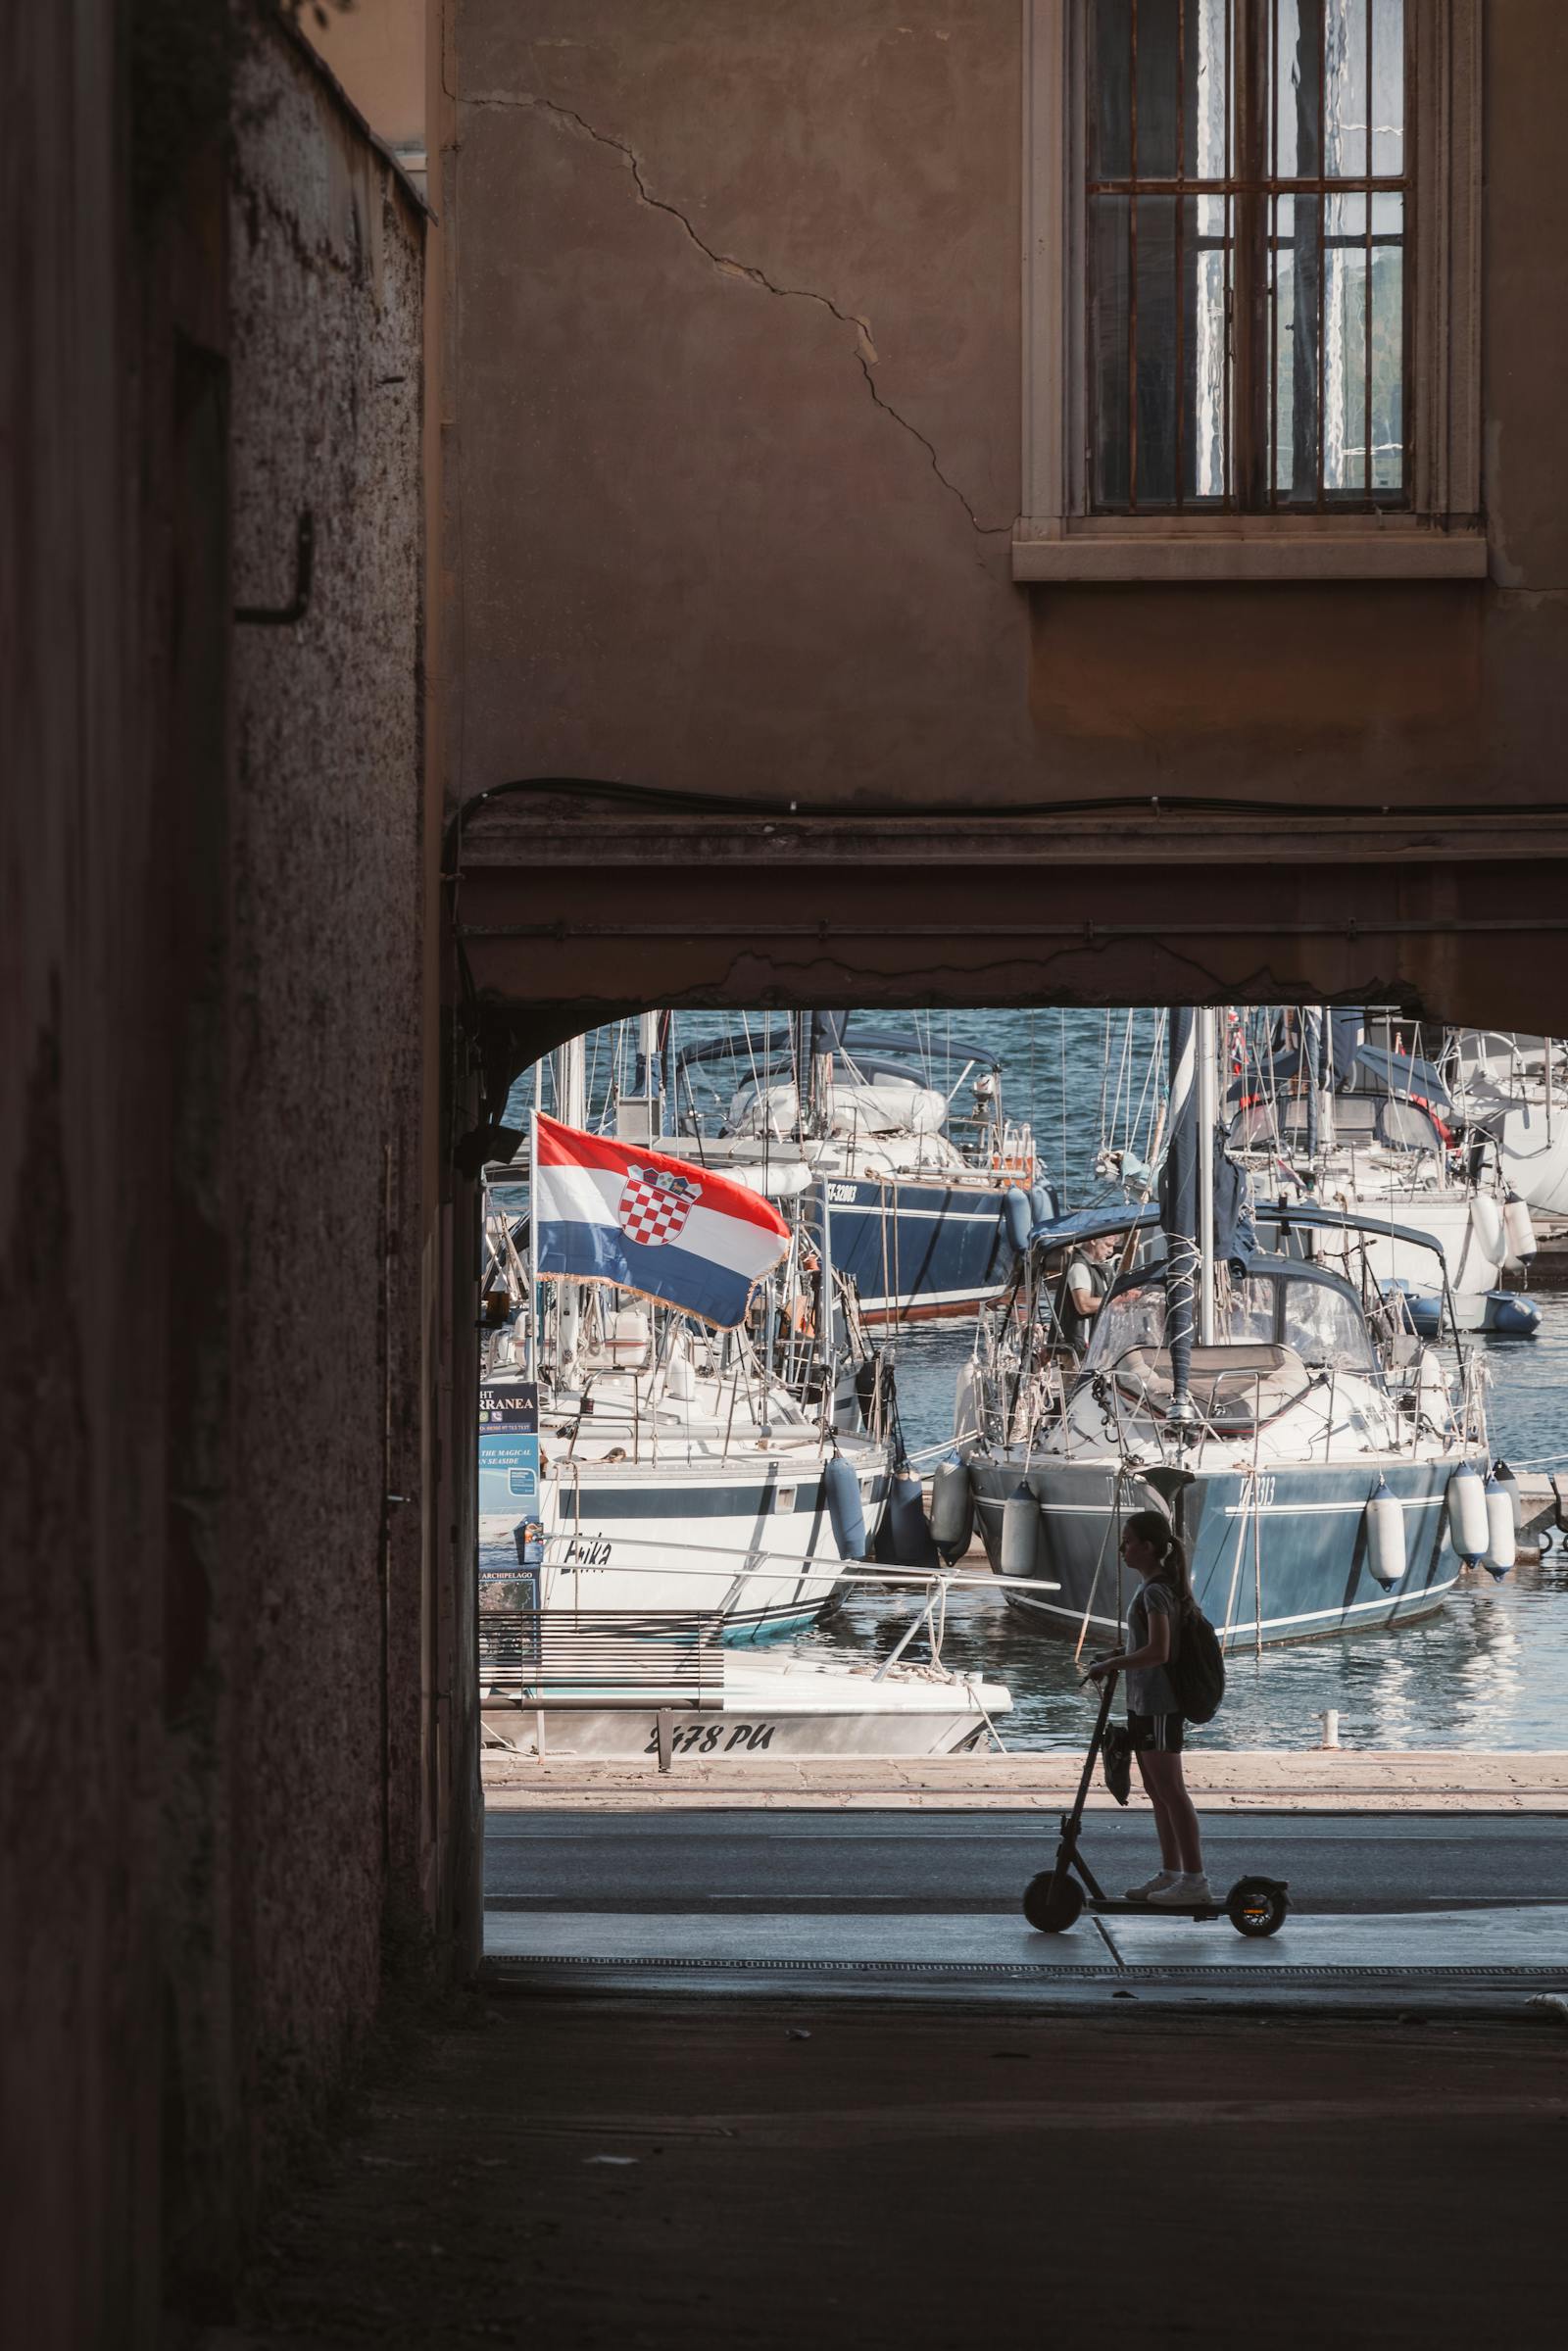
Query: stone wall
pixel 228 1768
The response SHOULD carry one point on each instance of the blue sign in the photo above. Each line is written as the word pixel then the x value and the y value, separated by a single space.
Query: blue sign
pixel 508 1449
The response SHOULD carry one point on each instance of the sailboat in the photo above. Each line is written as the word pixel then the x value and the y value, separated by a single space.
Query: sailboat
pixel 847 1117
pixel 1327 1114
pixel 1514 1089
pixel 676 1470
pixel 1324 1471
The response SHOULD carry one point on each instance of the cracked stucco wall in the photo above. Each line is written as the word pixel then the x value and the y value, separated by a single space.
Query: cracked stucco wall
pixel 734 384
pixel 736 456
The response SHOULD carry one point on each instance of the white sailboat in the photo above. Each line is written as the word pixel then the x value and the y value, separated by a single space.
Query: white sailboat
pixel 1360 1130
pixel 676 1470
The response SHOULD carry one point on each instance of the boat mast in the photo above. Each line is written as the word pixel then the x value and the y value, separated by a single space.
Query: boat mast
pixel 1181 1212
pixel 1208 1119
pixel 1323 1077
pixel 652 1073
pixel 571 1108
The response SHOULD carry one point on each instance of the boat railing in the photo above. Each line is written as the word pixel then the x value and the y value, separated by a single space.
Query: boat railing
pixel 601 1656
pixel 810 1566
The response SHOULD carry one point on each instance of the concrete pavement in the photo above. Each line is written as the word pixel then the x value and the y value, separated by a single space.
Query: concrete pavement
pixel 584 2174
pixel 1313 1779
pixel 1447 1910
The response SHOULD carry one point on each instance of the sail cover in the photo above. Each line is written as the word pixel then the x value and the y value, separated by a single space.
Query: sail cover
pixel 620 1212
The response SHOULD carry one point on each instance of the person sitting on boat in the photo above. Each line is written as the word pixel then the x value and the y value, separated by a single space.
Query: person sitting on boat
pixel 1087 1280
pixel 1151 1548
pixel 803 1305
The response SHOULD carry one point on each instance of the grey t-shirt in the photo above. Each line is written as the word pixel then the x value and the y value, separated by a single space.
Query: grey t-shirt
pixel 1148 1686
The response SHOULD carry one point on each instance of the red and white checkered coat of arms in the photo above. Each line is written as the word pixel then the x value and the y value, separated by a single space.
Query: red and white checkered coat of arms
pixel 654 1204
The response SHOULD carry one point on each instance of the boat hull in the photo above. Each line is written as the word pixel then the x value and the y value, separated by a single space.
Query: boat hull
pixel 915 1251
pixel 1290 1562
pixel 754 1544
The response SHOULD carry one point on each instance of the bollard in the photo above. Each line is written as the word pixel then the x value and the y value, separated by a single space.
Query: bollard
pixel 1330 1719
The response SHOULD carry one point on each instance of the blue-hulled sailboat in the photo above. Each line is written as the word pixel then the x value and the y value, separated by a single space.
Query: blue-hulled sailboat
pixel 1323 1471
pixel 917 1193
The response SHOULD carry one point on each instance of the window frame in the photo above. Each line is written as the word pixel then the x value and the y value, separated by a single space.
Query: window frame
pixel 1437 533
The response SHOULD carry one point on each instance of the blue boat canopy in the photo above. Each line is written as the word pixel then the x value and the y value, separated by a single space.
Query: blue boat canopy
pixel 1092 1224
pixel 1400 1073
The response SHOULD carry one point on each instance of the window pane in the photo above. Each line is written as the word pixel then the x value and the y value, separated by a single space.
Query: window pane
pixel 1344 90
pixel 1388 343
pixel 1108 346
pixel 1387 89
pixel 1110 50
pixel 1298 87
pixel 1345 320
pixel 1158 403
pixel 1296 347
pixel 1205 470
pixel 1159 29
pixel 1204 92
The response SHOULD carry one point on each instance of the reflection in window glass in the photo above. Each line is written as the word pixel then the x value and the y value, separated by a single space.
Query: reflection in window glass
pixel 1326 1328
pixel 1243 1312
pixel 1246 207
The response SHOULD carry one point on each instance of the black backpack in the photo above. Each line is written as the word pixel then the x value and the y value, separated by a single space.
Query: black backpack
pixel 1196 1671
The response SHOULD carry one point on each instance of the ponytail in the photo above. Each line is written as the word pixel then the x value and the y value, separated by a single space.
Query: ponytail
pixel 1154 1528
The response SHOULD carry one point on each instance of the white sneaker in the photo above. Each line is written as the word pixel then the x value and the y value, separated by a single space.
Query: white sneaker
pixel 1182 1891
pixel 1151 1886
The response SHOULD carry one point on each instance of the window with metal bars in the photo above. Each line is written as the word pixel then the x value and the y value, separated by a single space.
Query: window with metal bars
pixel 1248 203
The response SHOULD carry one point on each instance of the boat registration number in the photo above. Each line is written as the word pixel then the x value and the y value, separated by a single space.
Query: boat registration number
pixel 841 1195
pixel 715 1738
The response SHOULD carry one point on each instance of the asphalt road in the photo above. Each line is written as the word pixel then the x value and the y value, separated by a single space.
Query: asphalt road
pixel 870 1862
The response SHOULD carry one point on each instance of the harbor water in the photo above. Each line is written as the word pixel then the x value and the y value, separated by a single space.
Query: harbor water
pixel 1488 1671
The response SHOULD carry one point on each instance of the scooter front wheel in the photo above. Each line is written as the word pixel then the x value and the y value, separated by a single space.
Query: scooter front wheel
pixel 1051 1903
pixel 1256 1906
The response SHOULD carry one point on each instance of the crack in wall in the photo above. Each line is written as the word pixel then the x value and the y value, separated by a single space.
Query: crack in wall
pixel 726 264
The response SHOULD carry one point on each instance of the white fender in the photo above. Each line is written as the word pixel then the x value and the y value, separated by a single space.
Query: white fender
pixel 951 1514
pixel 967 1403
pixel 681 1381
pixel 1469 1524
pixel 1020 1532
pixel 1502 1541
pixel 1485 1222
pixel 1385 1537
pixel 1431 1390
pixel 1520 1232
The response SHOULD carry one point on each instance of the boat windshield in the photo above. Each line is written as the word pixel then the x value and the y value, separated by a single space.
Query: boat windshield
pixel 1359 1121
pixel 1319 1321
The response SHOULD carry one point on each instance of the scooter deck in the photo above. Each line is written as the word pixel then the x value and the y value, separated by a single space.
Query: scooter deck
pixel 1155 1910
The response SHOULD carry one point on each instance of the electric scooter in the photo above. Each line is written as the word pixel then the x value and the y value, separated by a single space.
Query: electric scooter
pixel 1054 1900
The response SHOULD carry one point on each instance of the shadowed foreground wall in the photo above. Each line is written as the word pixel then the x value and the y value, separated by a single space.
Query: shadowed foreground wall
pixel 226 1766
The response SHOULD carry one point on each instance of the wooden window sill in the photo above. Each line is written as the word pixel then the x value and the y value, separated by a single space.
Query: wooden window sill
pixel 1110 550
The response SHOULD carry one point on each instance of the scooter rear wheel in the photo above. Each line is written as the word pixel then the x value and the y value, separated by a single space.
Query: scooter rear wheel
pixel 1051 1903
pixel 1256 1906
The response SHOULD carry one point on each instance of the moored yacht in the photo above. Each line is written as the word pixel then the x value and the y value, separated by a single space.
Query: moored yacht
pixel 916 1192
pixel 1324 1472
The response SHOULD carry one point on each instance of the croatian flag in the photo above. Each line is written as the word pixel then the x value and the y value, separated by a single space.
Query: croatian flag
pixel 624 1213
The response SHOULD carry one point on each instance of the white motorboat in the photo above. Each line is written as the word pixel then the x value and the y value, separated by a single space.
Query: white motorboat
pixel 665 1686
pixel 767 1707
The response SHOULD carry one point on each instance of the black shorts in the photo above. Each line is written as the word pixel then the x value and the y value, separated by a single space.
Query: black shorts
pixel 1156 1733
